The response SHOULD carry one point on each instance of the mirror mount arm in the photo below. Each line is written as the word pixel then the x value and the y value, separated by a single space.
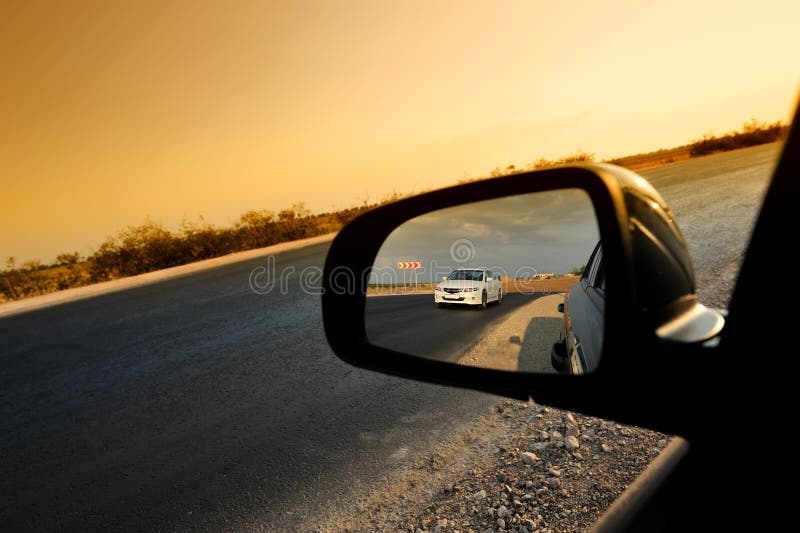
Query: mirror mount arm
pixel 698 325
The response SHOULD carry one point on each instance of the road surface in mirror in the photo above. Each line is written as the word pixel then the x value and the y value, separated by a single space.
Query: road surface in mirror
pixel 483 284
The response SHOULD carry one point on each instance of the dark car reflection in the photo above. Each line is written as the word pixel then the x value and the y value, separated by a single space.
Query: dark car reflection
pixel 581 342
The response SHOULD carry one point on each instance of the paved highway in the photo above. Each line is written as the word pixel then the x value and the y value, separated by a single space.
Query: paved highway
pixel 413 324
pixel 196 403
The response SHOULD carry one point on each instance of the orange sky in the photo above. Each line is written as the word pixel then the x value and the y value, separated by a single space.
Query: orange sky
pixel 111 112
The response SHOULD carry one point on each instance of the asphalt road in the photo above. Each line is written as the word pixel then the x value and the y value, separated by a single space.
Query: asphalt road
pixel 196 403
pixel 414 324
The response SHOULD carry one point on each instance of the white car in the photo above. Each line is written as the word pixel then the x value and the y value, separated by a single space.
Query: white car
pixel 469 286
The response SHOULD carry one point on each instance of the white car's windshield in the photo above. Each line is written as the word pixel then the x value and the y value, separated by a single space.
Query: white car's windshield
pixel 468 275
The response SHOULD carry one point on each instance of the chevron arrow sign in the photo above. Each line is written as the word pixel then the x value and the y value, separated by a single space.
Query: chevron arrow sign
pixel 409 264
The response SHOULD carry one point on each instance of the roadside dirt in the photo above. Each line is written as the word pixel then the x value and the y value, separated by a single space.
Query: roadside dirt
pixel 522 341
pixel 552 284
pixel 523 467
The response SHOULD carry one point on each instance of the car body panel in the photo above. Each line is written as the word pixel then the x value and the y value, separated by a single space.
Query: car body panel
pixel 584 311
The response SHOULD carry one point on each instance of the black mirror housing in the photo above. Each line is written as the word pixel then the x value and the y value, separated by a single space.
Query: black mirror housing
pixel 638 316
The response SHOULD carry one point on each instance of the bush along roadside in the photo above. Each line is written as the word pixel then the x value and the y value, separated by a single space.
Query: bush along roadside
pixel 150 246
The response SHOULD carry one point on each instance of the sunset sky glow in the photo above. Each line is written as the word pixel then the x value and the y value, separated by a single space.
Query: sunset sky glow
pixel 112 112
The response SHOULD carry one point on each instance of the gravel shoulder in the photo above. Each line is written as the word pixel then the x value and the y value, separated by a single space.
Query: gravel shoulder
pixel 523 467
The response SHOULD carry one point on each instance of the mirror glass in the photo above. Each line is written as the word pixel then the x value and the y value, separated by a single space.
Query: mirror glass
pixel 514 283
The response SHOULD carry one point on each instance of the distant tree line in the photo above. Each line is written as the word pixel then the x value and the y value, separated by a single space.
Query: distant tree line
pixel 578 157
pixel 753 133
pixel 150 246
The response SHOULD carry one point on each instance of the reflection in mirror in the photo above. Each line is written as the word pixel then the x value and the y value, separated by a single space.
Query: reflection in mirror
pixel 513 283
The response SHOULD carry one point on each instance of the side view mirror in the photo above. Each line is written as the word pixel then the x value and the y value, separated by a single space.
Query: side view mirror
pixel 597 286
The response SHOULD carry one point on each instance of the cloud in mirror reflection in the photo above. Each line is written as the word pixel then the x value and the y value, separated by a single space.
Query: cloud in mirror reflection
pixel 546 232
